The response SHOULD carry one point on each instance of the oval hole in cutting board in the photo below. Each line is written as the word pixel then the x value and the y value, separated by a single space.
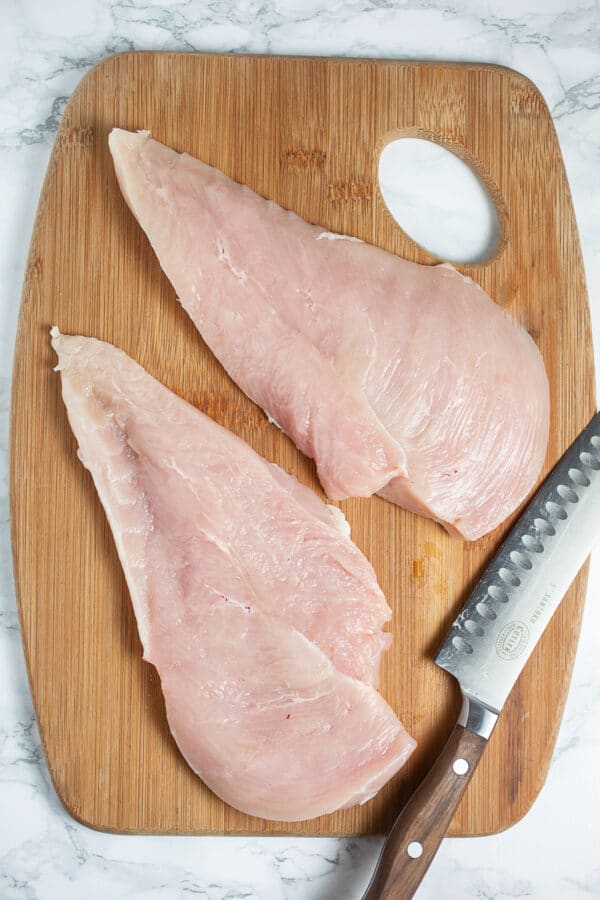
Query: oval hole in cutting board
pixel 438 200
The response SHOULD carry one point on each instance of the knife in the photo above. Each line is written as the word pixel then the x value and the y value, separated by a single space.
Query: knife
pixel 488 646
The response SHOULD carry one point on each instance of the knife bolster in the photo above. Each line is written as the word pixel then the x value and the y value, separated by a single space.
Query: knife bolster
pixel 476 717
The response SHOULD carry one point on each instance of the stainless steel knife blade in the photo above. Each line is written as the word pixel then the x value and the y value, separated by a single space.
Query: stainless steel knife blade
pixel 505 616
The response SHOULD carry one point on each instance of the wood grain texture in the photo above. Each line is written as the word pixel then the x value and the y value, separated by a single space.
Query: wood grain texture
pixel 306 133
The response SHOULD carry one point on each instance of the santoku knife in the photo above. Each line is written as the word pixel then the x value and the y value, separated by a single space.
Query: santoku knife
pixel 489 644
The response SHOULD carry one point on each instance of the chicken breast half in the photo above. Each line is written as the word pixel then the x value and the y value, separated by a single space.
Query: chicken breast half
pixel 397 378
pixel 263 619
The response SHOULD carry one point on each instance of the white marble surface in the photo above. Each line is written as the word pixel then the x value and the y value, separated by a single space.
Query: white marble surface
pixel 45 48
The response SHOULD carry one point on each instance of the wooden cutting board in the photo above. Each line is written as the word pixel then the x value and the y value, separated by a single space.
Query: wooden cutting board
pixel 306 133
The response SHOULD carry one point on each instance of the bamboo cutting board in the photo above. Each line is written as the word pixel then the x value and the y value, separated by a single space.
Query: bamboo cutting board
pixel 306 133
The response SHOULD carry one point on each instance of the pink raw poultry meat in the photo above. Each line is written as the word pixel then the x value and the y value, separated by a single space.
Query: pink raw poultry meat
pixel 396 378
pixel 261 616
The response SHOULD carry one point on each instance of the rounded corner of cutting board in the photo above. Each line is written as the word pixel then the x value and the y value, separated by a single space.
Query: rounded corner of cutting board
pixel 122 59
pixel 83 812
pixel 68 584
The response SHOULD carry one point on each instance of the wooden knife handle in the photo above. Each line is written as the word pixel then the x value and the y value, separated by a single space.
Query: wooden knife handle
pixel 420 827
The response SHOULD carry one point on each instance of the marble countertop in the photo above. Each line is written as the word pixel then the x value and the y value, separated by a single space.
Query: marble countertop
pixel 45 48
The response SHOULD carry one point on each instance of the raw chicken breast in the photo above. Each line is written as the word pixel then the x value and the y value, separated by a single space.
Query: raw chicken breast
pixel 261 616
pixel 397 378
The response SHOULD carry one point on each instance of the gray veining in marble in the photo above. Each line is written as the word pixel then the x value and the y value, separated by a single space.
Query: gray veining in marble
pixel 44 51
